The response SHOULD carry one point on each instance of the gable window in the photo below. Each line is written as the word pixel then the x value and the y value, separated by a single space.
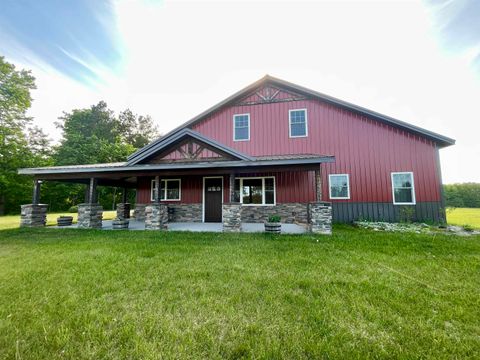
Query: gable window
pixel 298 123
pixel 255 190
pixel 169 189
pixel 339 185
pixel 403 188
pixel 241 127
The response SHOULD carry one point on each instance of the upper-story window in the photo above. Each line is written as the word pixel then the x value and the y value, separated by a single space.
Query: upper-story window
pixel 339 185
pixel 241 127
pixel 169 190
pixel 403 188
pixel 298 123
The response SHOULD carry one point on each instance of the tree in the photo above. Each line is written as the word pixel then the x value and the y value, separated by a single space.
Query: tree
pixel 137 130
pixel 15 99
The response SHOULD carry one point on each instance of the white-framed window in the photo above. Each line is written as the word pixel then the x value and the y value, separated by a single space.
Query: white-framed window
pixel 241 127
pixel 403 188
pixel 170 189
pixel 339 186
pixel 251 191
pixel 298 123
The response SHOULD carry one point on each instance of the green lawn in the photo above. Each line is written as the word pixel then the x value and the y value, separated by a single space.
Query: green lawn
pixel 13 221
pixel 91 294
pixel 464 216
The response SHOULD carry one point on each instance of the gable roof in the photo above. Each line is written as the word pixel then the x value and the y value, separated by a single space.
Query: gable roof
pixel 170 140
pixel 440 140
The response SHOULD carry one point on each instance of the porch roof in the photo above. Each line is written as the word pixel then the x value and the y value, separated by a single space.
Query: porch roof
pixel 126 170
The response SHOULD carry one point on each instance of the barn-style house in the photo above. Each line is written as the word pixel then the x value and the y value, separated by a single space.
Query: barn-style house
pixel 272 148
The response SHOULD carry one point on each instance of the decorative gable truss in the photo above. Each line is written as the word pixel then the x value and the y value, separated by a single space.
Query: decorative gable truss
pixel 185 145
pixel 269 94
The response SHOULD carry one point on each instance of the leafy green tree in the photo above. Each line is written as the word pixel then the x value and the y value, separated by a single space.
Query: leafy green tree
pixel 15 138
pixel 462 195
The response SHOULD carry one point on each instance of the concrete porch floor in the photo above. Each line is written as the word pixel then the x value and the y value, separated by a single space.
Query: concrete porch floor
pixel 209 227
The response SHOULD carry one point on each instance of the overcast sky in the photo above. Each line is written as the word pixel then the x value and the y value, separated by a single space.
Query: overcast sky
pixel 417 61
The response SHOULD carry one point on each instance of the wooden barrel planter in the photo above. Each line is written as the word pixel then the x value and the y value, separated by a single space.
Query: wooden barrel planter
pixel 120 224
pixel 64 220
pixel 274 228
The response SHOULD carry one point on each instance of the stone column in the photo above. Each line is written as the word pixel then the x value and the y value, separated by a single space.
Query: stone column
pixel 33 215
pixel 232 217
pixel 139 212
pixel 320 217
pixel 156 216
pixel 123 211
pixel 90 216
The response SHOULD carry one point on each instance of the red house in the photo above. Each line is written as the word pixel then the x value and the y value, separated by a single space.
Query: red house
pixel 277 148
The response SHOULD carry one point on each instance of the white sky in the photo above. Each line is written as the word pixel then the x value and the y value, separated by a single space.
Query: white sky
pixel 181 58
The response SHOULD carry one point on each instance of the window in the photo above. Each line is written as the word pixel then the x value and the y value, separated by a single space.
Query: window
pixel 298 123
pixel 403 188
pixel 255 190
pixel 241 127
pixel 169 189
pixel 339 185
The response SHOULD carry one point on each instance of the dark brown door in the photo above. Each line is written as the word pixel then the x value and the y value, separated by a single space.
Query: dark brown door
pixel 213 200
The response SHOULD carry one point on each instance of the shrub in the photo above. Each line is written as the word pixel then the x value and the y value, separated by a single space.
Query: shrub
pixel 73 209
pixel 274 219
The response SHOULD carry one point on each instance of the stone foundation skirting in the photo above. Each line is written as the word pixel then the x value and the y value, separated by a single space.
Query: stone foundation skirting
pixel 139 212
pixel 320 217
pixel 290 213
pixel 90 216
pixel 156 216
pixel 33 215
pixel 232 217
pixel 185 212
pixel 123 211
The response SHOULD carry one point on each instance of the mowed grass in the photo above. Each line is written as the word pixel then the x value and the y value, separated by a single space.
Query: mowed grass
pixel 13 221
pixel 464 216
pixel 91 294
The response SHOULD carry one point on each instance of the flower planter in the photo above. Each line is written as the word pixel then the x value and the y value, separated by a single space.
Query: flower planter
pixel 64 220
pixel 274 228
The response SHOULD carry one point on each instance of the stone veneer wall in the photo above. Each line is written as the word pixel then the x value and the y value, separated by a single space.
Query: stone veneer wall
pixel 156 216
pixel 139 212
pixel 33 215
pixel 123 211
pixel 320 217
pixel 289 212
pixel 90 216
pixel 186 212
pixel 232 217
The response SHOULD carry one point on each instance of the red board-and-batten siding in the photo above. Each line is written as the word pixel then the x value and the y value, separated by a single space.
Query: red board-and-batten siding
pixel 364 148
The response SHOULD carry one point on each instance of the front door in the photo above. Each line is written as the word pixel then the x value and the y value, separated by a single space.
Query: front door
pixel 212 195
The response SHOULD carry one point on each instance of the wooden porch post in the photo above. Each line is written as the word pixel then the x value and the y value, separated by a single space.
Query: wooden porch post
pixel 232 187
pixel 36 192
pixel 156 191
pixel 91 195
pixel 124 195
pixel 318 184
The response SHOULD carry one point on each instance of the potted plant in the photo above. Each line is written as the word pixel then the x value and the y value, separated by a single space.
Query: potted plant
pixel 63 220
pixel 273 224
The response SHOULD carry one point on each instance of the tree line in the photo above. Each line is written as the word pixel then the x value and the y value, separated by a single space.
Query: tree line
pixel 462 195
pixel 92 135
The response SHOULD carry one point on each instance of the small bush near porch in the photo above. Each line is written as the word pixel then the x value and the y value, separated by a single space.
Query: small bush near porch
pixel 102 294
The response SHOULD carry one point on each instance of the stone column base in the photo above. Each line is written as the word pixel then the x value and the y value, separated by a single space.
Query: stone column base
pixel 33 215
pixel 320 217
pixel 123 211
pixel 156 216
pixel 90 216
pixel 139 212
pixel 232 217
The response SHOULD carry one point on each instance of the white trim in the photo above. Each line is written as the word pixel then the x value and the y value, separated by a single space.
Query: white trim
pixel 203 194
pixel 413 188
pixel 263 190
pixel 290 123
pixel 330 187
pixel 248 115
pixel 165 191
